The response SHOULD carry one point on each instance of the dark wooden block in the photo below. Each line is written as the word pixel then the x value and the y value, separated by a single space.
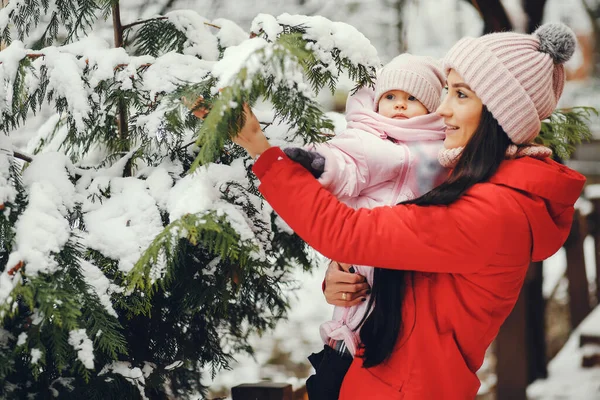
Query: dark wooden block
pixel 591 361
pixel 585 338
pixel 262 391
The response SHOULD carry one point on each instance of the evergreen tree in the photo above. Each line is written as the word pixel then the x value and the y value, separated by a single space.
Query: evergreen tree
pixel 136 252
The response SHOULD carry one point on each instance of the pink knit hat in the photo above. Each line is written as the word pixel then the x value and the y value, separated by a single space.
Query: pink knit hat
pixel 419 76
pixel 518 77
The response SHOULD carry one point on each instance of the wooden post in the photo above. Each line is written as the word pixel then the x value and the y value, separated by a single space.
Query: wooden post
pixel 579 296
pixel 521 342
pixel 536 322
pixel 594 230
pixel 262 391
pixel 511 354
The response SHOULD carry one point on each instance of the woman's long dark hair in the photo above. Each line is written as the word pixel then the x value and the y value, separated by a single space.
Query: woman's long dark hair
pixel 480 159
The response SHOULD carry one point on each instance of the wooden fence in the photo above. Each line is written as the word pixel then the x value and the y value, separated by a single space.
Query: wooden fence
pixel 521 342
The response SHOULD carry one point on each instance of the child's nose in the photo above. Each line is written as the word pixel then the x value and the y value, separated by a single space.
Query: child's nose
pixel 401 104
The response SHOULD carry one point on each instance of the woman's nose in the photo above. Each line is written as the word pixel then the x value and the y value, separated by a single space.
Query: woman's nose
pixel 443 110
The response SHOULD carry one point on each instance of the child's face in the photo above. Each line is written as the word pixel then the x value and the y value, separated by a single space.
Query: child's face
pixel 398 104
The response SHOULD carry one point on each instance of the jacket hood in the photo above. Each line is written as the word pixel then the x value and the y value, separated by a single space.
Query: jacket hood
pixel 553 190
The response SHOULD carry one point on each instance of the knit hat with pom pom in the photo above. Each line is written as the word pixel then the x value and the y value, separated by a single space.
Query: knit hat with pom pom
pixel 419 76
pixel 518 77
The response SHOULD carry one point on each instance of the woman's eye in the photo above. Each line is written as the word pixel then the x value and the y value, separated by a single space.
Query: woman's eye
pixel 411 98
pixel 461 95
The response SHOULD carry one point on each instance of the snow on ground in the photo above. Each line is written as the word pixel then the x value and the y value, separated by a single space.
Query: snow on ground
pixel 566 378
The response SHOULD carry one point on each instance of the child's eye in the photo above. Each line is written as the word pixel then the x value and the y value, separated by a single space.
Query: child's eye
pixel 412 98
pixel 389 97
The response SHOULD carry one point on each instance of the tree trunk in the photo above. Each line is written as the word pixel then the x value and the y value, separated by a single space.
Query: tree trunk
pixel 493 14
pixel 399 6
pixel 593 13
pixel 122 118
pixel 535 12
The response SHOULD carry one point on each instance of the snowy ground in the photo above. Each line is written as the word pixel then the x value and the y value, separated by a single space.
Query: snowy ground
pixel 567 380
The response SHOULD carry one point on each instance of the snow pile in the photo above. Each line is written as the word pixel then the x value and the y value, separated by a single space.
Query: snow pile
pixel 42 228
pixel 21 339
pixel 122 226
pixel 10 59
pixel 168 71
pixel 238 57
pixel 7 190
pixel 36 354
pixel 85 349
pixel 201 192
pixel 328 35
pixel 134 375
pixel 230 34
pixel 323 37
pixel 100 285
pixel 200 40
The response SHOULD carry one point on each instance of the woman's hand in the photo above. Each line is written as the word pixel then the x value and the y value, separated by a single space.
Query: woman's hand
pixel 251 137
pixel 197 108
pixel 344 288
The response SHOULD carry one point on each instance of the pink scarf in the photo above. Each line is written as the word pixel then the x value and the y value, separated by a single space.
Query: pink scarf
pixel 449 157
pixel 360 115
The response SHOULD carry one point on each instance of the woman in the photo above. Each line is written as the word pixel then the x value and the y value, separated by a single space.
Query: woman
pixel 452 262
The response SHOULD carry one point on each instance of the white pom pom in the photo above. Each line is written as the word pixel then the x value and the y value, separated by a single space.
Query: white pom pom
pixel 557 40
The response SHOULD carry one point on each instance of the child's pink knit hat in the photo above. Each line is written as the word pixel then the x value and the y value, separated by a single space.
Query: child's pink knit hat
pixel 518 77
pixel 418 76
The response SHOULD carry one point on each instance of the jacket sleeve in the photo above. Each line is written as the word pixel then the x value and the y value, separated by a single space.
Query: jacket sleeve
pixel 459 238
pixel 356 160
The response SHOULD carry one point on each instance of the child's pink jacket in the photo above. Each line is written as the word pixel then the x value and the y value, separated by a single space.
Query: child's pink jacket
pixel 377 161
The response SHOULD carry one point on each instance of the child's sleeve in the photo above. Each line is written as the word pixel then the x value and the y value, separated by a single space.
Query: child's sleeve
pixel 356 160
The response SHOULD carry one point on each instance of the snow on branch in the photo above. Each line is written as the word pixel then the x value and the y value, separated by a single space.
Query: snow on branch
pixel 99 235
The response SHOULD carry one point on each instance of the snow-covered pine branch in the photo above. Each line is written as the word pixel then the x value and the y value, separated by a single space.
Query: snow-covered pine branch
pixel 121 255
pixel 566 128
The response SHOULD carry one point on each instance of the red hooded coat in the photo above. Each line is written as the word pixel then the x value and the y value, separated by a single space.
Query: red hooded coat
pixel 470 260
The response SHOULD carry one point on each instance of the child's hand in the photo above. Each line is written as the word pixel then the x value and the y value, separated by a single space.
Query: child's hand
pixel 251 136
pixel 196 107
pixel 310 160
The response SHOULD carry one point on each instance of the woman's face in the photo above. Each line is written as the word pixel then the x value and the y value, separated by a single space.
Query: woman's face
pixel 461 110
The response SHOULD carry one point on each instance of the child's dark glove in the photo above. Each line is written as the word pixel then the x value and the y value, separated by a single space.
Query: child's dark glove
pixel 311 160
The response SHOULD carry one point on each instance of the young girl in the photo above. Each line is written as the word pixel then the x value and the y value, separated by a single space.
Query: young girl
pixel 450 263
pixel 387 154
